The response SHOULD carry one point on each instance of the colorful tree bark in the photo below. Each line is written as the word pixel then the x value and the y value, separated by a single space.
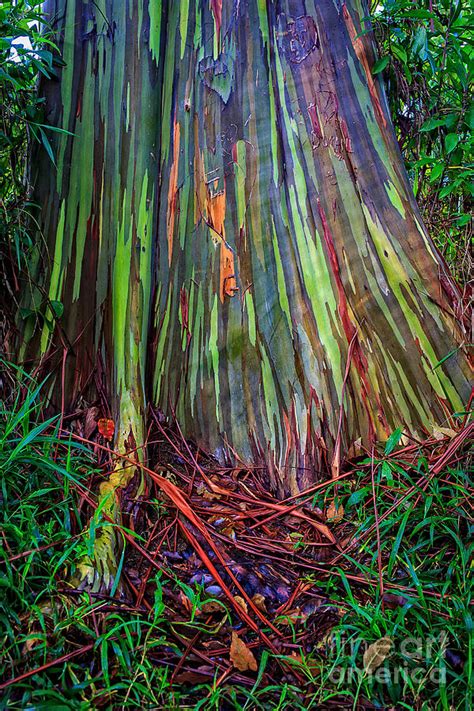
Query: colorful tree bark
pixel 300 300
pixel 233 236
pixel 98 217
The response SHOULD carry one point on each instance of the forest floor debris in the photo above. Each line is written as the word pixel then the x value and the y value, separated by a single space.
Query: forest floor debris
pixel 355 593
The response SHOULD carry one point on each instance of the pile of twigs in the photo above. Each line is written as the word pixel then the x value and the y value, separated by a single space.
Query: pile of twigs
pixel 256 562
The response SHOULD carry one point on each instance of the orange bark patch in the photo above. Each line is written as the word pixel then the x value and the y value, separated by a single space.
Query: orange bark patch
pixel 211 207
pixel 359 49
pixel 199 177
pixel 215 207
pixel 228 283
pixel 173 190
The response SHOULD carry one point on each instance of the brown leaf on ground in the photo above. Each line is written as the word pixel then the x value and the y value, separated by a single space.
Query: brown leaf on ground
pixel 377 653
pixel 212 606
pixel 241 656
pixel 30 643
pixel 240 601
pixel 203 491
pixel 440 433
pixel 333 513
pixel 259 601
pixel 293 617
pixel 106 427
pixel 197 676
pixel 187 604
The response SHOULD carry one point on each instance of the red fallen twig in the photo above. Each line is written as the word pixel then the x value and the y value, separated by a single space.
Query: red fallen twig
pixel 423 481
pixel 453 446
pixel 192 463
pixel 146 577
pixel 40 549
pixel 289 509
pixel 310 565
pixel 281 509
pixel 186 653
pixel 176 496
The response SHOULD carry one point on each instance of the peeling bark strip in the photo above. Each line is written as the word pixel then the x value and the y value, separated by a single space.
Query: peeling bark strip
pixel 299 36
pixel 235 159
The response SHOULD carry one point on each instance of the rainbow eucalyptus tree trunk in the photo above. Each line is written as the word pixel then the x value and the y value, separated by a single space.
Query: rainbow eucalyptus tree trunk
pixel 98 218
pixel 234 162
pixel 300 299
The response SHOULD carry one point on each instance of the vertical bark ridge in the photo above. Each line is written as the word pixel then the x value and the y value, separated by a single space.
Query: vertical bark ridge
pixel 99 211
pixel 100 204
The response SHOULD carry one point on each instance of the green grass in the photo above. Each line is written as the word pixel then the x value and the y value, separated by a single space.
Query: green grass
pixel 122 656
pixel 425 550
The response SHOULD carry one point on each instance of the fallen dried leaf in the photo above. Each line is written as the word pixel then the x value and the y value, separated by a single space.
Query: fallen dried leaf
pixel 259 602
pixel 187 604
pixel 196 676
pixel 241 656
pixel 106 427
pixel 293 617
pixel 212 606
pixel 442 432
pixel 240 601
pixel 333 513
pixel 203 491
pixel 30 643
pixel 377 653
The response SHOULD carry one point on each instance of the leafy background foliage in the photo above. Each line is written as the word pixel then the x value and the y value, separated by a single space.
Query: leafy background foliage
pixel 26 54
pixel 426 52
